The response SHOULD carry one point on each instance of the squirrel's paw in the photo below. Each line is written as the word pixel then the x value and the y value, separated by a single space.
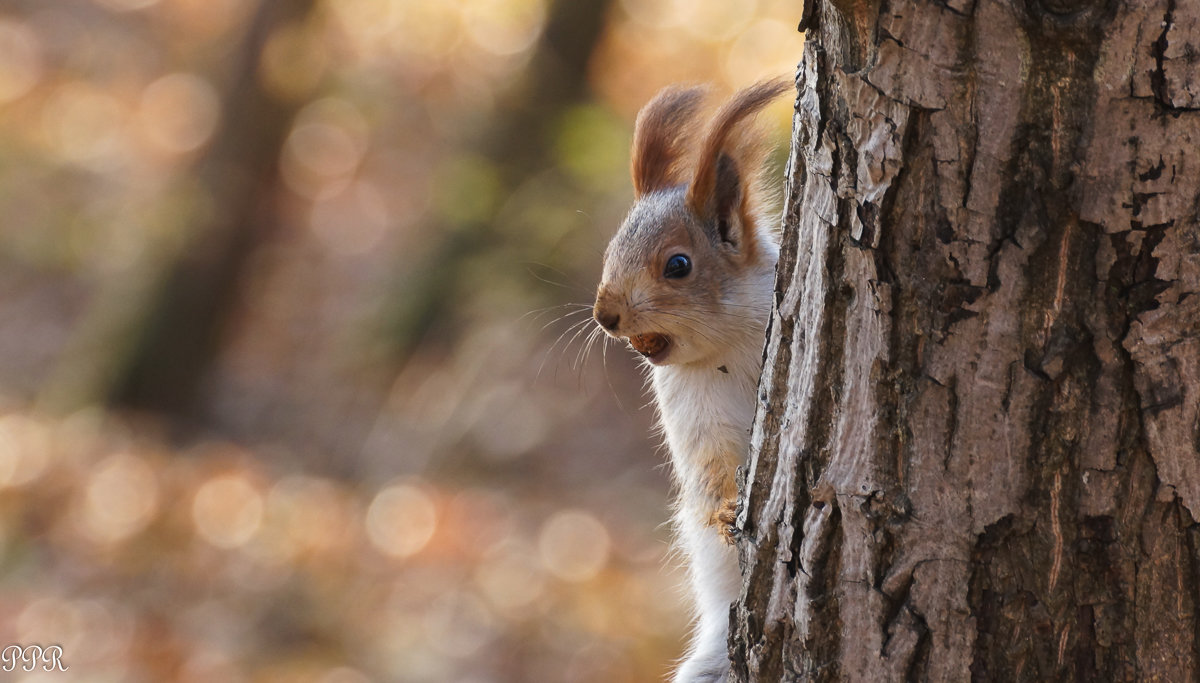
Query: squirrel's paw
pixel 726 520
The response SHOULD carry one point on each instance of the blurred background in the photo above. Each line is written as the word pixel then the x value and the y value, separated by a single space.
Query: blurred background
pixel 293 296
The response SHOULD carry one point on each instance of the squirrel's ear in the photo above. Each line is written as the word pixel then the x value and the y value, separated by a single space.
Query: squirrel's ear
pixel 660 137
pixel 726 169
pixel 727 199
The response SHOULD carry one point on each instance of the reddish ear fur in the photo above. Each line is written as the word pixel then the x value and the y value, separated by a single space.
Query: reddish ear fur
pixel 660 137
pixel 744 151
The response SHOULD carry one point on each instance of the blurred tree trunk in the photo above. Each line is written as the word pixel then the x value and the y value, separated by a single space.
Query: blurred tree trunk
pixel 180 333
pixel 978 451
pixel 154 356
pixel 517 144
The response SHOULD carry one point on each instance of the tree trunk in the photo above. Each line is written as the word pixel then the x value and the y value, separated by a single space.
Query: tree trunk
pixel 977 454
pixel 155 356
pixel 518 143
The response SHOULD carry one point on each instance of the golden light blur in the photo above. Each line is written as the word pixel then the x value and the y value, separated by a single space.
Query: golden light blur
pixel 179 112
pixel 24 450
pixel 227 510
pixel 121 499
pixel 511 580
pixel 86 125
pixel 20 60
pixel 573 545
pixel 293 306
pixel 504 27
pixel 326 145
pixel 293 62
pixel 304 517
pixel 401 520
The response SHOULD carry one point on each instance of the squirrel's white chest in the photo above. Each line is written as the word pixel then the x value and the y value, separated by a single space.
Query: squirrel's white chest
pixel 706 415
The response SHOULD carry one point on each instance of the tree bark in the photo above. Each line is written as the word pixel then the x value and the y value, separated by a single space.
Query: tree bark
pixel 977 451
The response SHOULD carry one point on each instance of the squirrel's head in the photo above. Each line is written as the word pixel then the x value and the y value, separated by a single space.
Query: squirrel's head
pixel 681 269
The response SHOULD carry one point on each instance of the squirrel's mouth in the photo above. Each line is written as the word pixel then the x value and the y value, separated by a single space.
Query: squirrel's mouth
pixel 653 346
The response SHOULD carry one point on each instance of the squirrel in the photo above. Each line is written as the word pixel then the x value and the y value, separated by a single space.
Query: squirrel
pixel 688 282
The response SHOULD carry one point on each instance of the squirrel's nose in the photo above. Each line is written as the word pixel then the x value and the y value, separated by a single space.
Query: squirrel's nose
pixel 607 320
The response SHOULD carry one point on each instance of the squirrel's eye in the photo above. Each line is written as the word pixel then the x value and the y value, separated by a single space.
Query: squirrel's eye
pixel 677 266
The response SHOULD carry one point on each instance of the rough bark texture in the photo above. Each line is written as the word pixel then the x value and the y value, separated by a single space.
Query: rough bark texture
pixel 977 454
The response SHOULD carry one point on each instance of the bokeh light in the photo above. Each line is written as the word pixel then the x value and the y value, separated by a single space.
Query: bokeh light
pixel 573 545
pixel 401 520
pixel 716 21
pixel 86 125
pixel 511 580
pixel 24 450
pixel 504 27
pixel 324 149
pixel 179 112
pixel 227 510
pixel 293 61
pixel 380 223
pixel 122 497
pixel 20 59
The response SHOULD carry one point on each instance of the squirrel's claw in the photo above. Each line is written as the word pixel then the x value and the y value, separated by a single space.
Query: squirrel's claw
pixel 726 521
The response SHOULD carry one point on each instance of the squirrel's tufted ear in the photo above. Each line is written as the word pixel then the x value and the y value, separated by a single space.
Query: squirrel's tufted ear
pixel 726 176
pixel 660 138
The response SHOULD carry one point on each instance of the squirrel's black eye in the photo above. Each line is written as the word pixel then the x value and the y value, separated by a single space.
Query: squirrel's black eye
pixel 677 266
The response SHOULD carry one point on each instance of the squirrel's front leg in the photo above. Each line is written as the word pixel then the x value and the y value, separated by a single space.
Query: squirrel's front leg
pixel 721 486
pixel 708 540
pixel 725 519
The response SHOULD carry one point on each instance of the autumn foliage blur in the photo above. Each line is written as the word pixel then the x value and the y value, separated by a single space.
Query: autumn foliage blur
pixel 292 296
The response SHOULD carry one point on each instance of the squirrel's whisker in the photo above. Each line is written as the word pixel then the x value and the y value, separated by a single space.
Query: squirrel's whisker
pixel 564 316
pixel 579 329
pixel 536 314
pixel 574 285
pixel 546 355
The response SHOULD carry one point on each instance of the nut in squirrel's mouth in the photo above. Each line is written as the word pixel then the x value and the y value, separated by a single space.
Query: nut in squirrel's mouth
pixel 653 346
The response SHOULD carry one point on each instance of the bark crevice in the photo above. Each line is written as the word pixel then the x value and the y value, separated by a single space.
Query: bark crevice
pixel 994 384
